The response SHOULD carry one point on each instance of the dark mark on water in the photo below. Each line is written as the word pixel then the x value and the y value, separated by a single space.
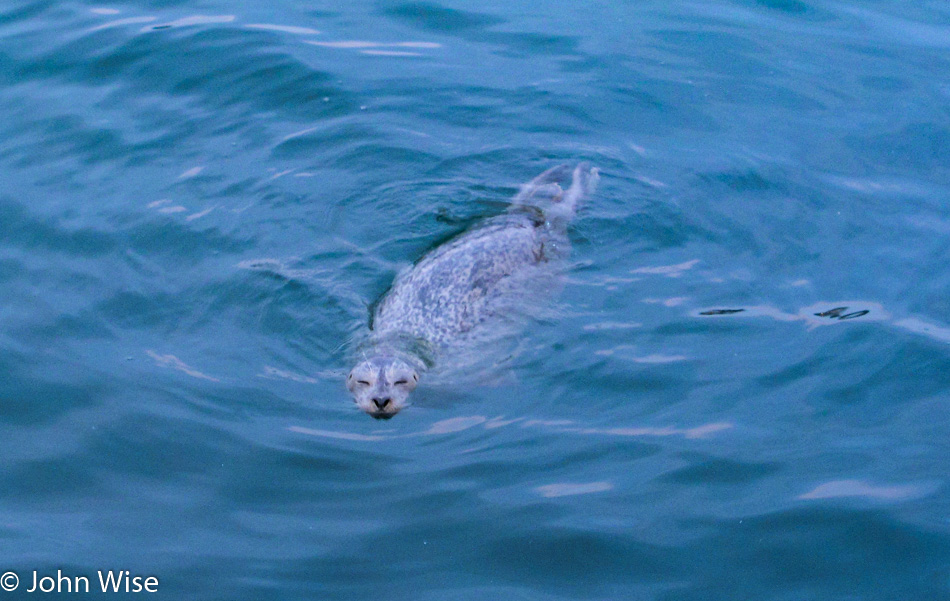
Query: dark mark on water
pixel 836 313
pixel 721 311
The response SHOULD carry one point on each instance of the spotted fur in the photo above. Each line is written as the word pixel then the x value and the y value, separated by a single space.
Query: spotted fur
pixel 464 283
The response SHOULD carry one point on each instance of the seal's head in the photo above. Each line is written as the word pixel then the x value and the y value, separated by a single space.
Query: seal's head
pixel 381 385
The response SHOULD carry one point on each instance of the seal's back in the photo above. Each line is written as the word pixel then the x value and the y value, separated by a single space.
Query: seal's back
pixel 485 271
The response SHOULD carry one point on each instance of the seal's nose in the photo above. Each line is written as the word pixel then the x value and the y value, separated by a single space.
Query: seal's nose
pixel 381 403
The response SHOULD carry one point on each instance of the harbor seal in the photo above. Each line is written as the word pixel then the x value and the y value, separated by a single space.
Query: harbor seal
pixel 454 291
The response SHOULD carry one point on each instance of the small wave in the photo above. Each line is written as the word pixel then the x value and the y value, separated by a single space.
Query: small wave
pixel 274 373
pixel 389 53
pixel 173 362
pixel 122 22
pixel 192 21
pixel 670 271
pixel 460 424
pixel 283 28
pixel 858 488
pixel 567 489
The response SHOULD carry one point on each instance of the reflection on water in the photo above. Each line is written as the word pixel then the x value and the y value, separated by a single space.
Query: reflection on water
pixel 187 174
pixel 630 352
pixel 192 21
pixel 459 424
pixel 612 325
pixel 670 271
pixel 121 22
pixel 283 28
pixel 365 44
pixel 919 326
pixel 173 362
pixel 339 435
pixel 830 313
pixel 567 489
pixel 389 53
pixel 391 49
pixel 857 488
pixel 273 372
pixel 378 48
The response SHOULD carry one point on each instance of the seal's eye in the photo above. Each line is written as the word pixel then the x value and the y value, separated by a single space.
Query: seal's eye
pixel 398 382
pixel 363 382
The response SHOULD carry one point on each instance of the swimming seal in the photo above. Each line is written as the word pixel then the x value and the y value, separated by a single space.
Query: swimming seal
pixel 455 289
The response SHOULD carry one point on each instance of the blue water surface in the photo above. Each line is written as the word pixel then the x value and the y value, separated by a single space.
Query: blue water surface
pixel 741 391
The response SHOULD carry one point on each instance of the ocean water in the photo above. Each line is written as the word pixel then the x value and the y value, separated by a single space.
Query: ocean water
pixel 741 391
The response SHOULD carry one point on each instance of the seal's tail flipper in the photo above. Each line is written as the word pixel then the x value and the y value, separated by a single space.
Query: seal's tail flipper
pixel 583 183
pixel 546 186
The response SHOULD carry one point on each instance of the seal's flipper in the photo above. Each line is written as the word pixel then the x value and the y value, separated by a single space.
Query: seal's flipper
pixel 544 187
pixel 583 183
